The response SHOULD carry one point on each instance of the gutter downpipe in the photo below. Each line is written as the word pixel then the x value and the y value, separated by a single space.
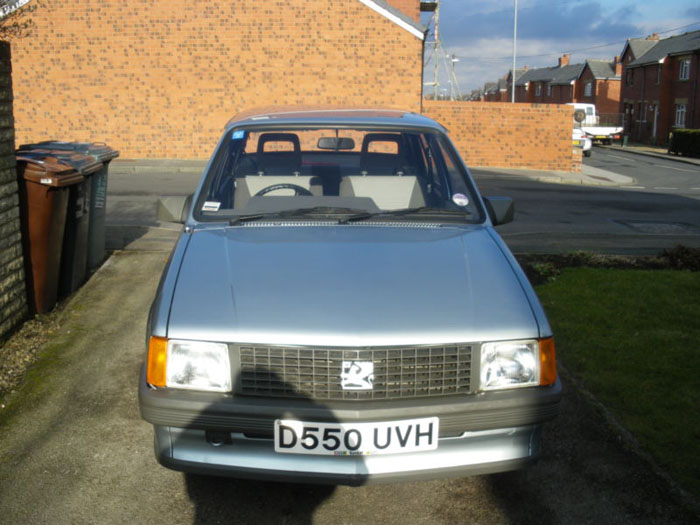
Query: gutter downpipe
pixel 642 108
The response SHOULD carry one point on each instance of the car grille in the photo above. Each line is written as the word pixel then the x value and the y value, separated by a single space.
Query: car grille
pixel 314 373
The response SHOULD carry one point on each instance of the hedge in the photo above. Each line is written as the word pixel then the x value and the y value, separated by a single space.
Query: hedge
pixel 685 142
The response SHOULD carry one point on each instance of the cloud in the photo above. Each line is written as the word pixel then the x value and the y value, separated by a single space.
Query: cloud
pixel 481 35
pixel 555 22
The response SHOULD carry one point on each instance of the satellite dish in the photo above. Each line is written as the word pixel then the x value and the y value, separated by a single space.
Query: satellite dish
pixel 579 115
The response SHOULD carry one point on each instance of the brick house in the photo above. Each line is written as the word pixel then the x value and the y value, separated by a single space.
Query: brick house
pixel 661 87
pixel 594 82
pixel 509 81
pixel 634 49
pixel 160 78
pixel 491 92
pixel 599 83
pixel 549 85
pixel 503 89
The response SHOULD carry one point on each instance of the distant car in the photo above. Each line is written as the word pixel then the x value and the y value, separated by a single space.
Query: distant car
pixel 340 309
pixel 583 141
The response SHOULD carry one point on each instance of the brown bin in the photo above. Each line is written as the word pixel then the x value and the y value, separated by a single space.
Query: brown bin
pixel 44 184
pixel 74 255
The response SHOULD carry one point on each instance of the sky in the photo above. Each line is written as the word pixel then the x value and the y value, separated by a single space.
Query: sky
pixel 479 33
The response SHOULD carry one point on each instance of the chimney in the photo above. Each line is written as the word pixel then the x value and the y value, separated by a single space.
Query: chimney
pixel 653 36
pixel 618 67
pixel 564 60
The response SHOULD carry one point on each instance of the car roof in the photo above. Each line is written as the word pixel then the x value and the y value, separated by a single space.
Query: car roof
pixel 332 116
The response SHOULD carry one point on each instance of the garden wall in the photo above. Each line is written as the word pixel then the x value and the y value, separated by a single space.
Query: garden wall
pixel 13 295
pixel 504 135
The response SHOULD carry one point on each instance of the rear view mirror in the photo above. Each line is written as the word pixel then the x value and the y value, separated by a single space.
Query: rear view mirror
pixel 500 209
pixel 336 143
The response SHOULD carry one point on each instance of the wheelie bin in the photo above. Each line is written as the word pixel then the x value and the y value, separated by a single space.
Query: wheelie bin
pixel 73 272
pixel 44 188
pixel 98 190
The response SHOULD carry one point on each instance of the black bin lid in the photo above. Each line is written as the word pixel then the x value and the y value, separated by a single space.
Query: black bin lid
pixel 83 164
pixel 45 169
pixel 98 150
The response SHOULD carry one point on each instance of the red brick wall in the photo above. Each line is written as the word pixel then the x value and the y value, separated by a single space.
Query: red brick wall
pixel 607 98
pixel 532 136
pixel 160 78
pixel 410 7
pixel 561 94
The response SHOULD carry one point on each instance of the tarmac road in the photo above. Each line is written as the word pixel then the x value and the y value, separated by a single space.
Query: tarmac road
pixel 596 210
pixel 73 448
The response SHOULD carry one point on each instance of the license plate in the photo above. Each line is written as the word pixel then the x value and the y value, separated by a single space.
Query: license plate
pixel 601 137
pixel 356 439
pixel 577 142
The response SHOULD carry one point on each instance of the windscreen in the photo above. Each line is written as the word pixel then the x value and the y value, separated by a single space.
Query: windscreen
pixel 332 172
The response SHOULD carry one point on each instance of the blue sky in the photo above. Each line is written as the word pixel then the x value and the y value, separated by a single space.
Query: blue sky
pixel 480 32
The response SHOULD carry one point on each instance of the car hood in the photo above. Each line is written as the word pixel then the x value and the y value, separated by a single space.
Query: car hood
pixel 348 286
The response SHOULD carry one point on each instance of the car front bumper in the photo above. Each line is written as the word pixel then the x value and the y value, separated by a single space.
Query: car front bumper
pixel 472 453
pixel 479 434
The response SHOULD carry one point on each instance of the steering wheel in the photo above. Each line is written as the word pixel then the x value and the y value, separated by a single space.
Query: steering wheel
pixel 298 190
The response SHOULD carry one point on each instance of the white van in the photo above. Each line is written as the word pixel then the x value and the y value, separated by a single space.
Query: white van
pixel 589 109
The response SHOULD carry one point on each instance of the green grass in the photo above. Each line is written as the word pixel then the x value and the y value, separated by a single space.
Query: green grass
pixel 633 337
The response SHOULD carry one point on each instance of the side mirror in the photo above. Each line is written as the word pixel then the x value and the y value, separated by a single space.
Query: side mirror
pixel 174 209
pixel 500 209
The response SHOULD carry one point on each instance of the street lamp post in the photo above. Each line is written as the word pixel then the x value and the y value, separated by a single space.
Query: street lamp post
pixel 454 79
pixel 515 40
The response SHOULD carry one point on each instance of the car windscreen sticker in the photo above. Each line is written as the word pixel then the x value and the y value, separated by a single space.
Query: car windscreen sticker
pixel 460 199
pixel 211 206
pixel 238 134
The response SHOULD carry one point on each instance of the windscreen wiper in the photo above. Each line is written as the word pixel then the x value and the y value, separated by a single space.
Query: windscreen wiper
pixel 426 210
pixel 298 212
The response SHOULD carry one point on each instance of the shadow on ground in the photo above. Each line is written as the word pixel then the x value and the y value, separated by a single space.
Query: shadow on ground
pixel 224 500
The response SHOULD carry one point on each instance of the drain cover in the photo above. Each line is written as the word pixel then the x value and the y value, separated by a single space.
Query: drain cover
pixel 659 227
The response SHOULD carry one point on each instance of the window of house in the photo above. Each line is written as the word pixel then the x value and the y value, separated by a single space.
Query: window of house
pixel 549 90
pixel 588 89
pixel 680 116
pixel 684 73
pixel 629 77
pixel 658 74
pixel 538 90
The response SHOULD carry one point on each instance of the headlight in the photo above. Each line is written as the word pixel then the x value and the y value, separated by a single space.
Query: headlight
pixel 516 364
pixel 193 365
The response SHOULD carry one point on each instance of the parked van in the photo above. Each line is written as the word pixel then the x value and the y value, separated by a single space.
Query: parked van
pixel 591 125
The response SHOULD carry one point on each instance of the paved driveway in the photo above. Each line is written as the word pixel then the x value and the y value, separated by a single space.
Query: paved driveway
pixel 73 448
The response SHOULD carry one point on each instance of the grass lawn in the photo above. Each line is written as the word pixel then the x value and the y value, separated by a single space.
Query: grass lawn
pixel 633 337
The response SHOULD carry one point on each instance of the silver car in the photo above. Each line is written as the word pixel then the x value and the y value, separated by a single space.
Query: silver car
pixel 339 309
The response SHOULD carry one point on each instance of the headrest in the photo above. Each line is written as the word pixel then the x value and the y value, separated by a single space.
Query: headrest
pixel 278 137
